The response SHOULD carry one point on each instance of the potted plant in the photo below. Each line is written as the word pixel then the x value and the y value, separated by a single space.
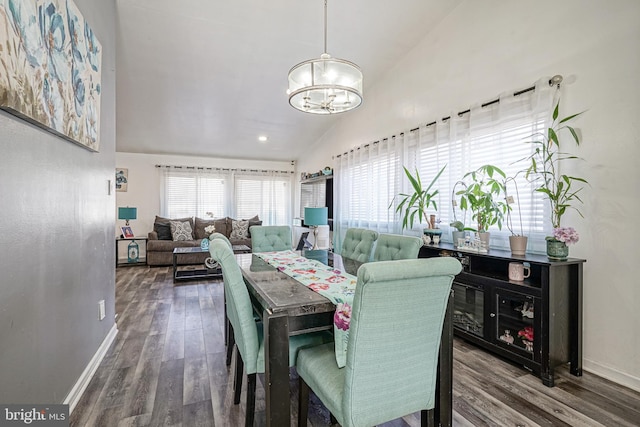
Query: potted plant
pixel 482 198
pixel 457 226
pixel 517 242
pixel 415 205
pixel 562 191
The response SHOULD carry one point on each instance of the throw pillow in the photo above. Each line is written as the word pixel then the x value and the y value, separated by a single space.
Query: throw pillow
pixel 200 225
pixel 164 231
pixel 239 229
pixel 161 220
pixel 181 230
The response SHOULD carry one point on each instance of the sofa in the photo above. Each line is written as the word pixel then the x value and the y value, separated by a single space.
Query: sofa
pixel 189 232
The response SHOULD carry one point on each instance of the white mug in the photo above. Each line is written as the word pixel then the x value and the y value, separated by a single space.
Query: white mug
pixel 517 271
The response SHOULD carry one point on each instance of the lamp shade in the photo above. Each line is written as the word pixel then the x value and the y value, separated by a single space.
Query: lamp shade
pixel 127 213
pixel 316 216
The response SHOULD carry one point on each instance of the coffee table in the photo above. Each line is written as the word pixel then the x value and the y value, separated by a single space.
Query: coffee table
pixel 210 269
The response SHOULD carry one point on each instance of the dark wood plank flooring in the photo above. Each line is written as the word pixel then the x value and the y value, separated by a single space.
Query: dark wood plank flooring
pixel 166 368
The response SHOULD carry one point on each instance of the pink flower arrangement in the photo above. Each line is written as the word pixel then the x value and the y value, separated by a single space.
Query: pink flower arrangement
pixel 567 235
pixel 526 333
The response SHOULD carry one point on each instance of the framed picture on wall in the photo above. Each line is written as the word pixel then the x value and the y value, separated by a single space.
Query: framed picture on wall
pixel 127 232
pixel 122 179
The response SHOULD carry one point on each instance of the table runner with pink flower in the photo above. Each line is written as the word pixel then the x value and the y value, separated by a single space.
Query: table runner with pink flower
pixel 334 284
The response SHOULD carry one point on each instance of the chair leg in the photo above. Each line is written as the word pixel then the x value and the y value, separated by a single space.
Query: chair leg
pixel 427 418
pixel 231 341
pixel 251 400
pixel 303 402
pixel 237 382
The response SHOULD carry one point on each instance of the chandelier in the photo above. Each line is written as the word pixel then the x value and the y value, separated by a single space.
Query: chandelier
pixel 325 85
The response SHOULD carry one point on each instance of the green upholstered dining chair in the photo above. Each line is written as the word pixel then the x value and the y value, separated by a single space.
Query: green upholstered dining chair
pixel 220 236
pixel 392 247
pixel 248 334
pixel 394 340
pixel 358 244
pixel 267 238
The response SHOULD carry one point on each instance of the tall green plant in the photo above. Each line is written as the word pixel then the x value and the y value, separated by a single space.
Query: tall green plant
pixel 482 196
pixel 544 171
pixel 417 203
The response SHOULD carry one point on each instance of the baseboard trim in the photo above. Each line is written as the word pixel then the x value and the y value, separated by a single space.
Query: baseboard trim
pixel 80 386
pixel 612 374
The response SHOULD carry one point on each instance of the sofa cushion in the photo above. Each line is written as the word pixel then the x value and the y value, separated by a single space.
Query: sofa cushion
pixel 162 220
pixel 169 245
pixel 181 230
pixel 163 231
pixel 239 229
pixel 253 221
pixel 201 224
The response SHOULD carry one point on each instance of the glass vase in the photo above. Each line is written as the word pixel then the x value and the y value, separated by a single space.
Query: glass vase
pixel 557 250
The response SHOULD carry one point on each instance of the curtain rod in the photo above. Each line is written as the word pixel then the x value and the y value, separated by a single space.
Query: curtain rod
pixel 553 81
pixel 220 169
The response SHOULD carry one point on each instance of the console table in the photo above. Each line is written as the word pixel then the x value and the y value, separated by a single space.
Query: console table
pixel 536 322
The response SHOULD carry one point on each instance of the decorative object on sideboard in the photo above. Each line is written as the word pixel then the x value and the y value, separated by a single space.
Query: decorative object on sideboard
pixel 325 85
pixel 51 69
pixel 517 242
pixel 482 197
pixel 133 252
pixel 315 217
pixel 416 204
pixel 559 189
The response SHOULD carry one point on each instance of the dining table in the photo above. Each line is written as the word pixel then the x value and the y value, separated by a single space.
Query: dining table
pixel 287 308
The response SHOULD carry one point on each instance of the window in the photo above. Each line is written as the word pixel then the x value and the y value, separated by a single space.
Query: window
pixel 369 176
pixel 204 192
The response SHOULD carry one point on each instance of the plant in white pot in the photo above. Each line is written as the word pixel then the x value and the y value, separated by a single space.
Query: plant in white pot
pixel 561 190
pixel 457 225
pixel 415 206
pixel 482 198
pixel 517 242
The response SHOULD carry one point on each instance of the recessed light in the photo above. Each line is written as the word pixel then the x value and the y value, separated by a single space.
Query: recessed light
pixel 262 138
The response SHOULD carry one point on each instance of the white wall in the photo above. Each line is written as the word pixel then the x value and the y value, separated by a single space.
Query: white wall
pixel 57 247
pixel 143 190
pixel 485 48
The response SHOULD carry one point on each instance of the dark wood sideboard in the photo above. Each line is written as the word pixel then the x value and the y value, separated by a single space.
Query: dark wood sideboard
pixel 502 316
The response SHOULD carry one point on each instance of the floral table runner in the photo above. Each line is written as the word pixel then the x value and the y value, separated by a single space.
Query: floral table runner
pixel 334 284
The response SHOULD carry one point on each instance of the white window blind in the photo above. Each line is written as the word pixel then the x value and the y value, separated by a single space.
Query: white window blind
pixel 370 176
pixel 193 194
pixel 267 196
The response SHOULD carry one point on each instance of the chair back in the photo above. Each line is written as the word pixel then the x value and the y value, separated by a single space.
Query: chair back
pixel 391 247
pixel 239 308
pixel 267 238
pixel 394 338
pixel 358 244
pixel 220 236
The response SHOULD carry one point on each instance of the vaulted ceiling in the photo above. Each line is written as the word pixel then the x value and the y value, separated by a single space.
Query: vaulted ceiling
pixel 207 77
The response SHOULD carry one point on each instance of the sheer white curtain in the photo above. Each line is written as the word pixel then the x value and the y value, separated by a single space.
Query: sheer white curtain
pixel 368 177
pixel 241 194
pixel 264 193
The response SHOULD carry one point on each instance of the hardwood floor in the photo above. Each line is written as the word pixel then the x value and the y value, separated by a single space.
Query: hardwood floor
pixel 166 368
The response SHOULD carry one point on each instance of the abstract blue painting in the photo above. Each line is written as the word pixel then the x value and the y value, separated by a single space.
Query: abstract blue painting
pixel 50 68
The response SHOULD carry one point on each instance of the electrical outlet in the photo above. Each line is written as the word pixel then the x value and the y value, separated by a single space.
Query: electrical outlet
pixel 101 309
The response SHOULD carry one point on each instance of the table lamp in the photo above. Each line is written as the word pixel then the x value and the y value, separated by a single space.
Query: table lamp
pixel 313 217
pixel 127 214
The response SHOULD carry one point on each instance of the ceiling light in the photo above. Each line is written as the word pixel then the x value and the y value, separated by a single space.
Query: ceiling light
pixel 325 85
pixel 262 138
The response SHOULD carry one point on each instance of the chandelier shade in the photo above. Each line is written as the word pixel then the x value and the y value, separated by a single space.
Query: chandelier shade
pixel 325 85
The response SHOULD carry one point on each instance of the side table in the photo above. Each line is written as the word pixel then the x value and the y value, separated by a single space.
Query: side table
pixel 141 260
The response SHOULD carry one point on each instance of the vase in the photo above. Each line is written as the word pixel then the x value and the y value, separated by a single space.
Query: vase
pixel 204 244
pixel 484 238
pixel 518 245
pixel 557 250
pixel 456 235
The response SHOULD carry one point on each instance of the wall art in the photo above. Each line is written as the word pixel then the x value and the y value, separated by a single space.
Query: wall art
pixel 122 179
pixel 50 68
